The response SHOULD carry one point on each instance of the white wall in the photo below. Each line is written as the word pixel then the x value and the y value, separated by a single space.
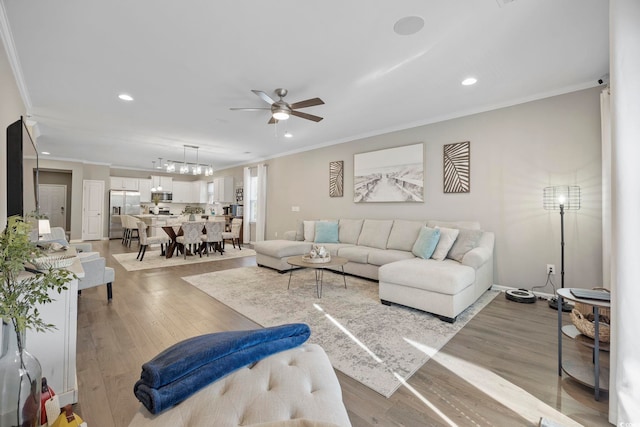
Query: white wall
pixel 515 153
pixel 11 108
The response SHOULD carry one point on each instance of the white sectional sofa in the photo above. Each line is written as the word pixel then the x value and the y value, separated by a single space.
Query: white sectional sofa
pixel 382 250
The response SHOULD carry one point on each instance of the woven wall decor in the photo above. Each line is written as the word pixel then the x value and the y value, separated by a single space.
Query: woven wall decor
pixel 457 167
pixel 336 178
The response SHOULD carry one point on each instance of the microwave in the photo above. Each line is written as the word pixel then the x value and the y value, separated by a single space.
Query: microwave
pixel 164 196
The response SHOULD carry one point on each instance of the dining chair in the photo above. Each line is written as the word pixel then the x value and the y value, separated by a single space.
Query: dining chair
pixel 213 238
pixel 145 241
pixel 191 236
pixel 129 227
pixel 234 234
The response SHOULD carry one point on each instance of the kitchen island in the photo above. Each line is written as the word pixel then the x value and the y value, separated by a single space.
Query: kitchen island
pixel 155 222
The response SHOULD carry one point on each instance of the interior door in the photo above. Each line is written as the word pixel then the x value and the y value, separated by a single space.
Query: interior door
pixel 53 204
pixel 92 209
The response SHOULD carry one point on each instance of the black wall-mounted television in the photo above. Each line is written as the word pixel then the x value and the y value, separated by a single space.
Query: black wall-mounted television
pixel 18 137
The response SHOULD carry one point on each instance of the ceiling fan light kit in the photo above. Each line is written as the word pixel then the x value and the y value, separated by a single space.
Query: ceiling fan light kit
pixel 281 110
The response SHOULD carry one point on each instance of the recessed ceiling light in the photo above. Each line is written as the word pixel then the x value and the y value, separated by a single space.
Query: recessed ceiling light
pixel 469 81
pixel 125 97
pixel 408 25
pixel 288 135
pixel 46 153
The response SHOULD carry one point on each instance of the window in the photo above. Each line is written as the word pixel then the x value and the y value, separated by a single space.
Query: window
pixel 253 198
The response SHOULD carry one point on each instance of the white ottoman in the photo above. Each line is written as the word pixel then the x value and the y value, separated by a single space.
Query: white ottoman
pixel 294 387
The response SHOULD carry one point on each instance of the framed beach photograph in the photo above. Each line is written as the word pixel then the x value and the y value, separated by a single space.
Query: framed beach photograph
pixel 389 175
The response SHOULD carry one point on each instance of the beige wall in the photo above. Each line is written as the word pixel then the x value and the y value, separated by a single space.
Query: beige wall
pixel 515 153
pixel 11 108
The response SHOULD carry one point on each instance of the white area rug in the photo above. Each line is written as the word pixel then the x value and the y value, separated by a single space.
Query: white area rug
pixel 153 259
pixel 370 342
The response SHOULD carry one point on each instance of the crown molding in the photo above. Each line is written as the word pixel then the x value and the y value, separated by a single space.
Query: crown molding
pixel 12 56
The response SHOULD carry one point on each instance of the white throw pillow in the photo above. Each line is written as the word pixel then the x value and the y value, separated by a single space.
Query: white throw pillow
pixel 447 238
pixel 309 231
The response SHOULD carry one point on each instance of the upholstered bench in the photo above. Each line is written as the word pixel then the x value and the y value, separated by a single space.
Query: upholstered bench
pixel 296 387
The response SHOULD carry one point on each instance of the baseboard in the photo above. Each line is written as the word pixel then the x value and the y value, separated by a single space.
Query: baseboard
pixel 506 288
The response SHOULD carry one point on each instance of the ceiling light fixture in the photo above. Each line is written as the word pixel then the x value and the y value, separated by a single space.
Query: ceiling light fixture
pixel 186 167
pixel 125 97
pixel 280 114
pixel 469 81
pixel 408 25
pixel 46 153
pixel 288 135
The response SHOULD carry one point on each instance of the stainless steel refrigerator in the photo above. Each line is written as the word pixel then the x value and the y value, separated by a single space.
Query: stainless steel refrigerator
pixel 121 203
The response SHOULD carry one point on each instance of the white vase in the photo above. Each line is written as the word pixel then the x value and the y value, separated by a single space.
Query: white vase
pixel 156 209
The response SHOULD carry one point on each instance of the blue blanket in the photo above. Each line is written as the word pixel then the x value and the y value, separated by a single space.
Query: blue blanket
pixel 186 367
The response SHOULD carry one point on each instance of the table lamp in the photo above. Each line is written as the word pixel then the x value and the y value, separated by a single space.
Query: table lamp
pixel 561 197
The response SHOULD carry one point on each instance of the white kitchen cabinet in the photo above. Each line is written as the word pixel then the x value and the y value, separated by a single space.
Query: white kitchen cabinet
pixel 183 192
pixel 144 186
pixel 223 189
pixel 166 182
pixel 200 190
pixel 123 183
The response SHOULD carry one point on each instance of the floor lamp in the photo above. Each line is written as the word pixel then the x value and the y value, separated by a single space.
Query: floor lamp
pixel 563 198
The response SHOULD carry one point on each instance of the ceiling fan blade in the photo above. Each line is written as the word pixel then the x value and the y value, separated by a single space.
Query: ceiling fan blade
pixel 272 121
pixel 307 103
pixel 306 116
pixel 250 109
pixel 266 98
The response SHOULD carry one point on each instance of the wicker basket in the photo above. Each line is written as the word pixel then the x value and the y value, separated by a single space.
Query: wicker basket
pixel 47 262
pixel 587 327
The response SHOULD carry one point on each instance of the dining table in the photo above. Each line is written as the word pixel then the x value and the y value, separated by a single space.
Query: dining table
pixel 174 231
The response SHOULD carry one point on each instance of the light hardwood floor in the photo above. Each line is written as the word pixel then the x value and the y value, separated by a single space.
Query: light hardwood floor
pixel 504 357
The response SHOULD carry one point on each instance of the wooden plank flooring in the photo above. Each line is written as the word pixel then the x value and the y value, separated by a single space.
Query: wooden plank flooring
pixel 500 367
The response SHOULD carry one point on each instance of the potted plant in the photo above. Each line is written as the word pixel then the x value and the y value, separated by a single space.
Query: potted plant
pixel 192 211
pixel 20 294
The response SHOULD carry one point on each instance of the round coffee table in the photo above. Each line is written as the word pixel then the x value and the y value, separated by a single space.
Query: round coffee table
pixel 299 261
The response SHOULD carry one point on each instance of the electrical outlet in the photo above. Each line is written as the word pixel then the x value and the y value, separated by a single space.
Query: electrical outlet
pixel 551 269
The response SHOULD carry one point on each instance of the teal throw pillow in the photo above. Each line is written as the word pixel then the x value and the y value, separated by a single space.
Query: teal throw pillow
pixel 326 232
pixel 426 242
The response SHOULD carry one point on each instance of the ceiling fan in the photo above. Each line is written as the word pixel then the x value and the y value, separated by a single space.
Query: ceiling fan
pixel 280 110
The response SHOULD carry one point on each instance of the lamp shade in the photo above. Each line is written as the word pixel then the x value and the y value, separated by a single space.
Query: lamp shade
pixel 566 195
pixel 44 227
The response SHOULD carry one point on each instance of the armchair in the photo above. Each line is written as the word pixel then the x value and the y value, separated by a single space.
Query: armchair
pixel 96 273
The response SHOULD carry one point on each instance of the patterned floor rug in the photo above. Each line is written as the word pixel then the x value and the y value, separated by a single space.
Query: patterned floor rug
pixel 153 259
pixel 379 346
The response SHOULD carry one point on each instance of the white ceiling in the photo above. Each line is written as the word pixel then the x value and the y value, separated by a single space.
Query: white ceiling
pixel 187 62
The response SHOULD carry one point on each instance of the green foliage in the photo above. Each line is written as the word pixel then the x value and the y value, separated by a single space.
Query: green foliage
pixel 193 210
pixel 20 291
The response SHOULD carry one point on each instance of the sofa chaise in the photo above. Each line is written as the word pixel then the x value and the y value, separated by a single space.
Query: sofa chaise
pixel 383 250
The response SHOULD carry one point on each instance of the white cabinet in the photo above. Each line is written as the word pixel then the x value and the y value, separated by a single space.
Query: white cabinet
pixel 183 192
pixel 166 182
pixel 122 183
pixel 144 186
pixel 201 191
pixel 223 189
pixel 56 349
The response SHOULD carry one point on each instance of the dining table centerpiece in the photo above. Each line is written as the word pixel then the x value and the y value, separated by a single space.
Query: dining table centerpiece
pixel 21 293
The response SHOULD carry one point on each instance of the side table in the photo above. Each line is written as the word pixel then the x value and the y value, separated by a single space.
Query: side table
pixel 599 378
